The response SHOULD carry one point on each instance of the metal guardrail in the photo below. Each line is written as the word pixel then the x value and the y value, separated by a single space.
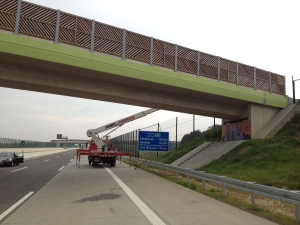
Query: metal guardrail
pixel 291 197
pixel 26 18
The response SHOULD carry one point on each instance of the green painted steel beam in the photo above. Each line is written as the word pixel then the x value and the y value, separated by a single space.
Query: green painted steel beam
pixel 63 54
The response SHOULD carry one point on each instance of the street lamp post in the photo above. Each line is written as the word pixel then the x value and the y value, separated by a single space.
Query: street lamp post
pixel 293 83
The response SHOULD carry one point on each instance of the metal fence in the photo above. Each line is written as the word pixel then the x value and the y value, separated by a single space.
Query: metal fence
pixel 177 128
pixel 34 20
pixel 16 143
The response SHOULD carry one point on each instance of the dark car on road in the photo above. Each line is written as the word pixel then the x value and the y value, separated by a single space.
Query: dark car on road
pixel 11 158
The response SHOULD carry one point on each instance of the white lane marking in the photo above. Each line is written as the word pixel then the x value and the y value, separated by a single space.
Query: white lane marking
pixel 71 160
pixel 47 160
pixel 151 216
pixel 61 168
pixel 15 205
pixel 57 156
pixel 19 169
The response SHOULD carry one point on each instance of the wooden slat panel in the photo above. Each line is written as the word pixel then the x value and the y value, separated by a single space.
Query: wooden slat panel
pixel 66 35
pixel 108 46
pixel 9 6
pixel 67 21
pixel 232 77
pixel 262 74
pixel 274 88
pixel 108 39
pixel 262 84
pixel 187 66
pixel 187 60
pixel 245 80
pixel 83 32
pixel 169 52
pixel 209 65
pixel 37 21
pixel 158 52
pixel 108 32
pixel 232 71
pixel 38 13
pixel 158 46
pixel 84 25
pixel 186 53
pixel 7 21
pixel 278 84
pixel 281 89
pixel 246 75
pixel 223 69
pixel 83 39
pixel 37 28
pixel 158 58
pixel 138 47
pixel 262 80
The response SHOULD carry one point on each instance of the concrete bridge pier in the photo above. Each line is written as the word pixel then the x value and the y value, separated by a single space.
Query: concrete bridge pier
pixel 258 115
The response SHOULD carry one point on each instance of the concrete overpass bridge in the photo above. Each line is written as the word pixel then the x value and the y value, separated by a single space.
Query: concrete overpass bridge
pixel 46 50
pixel 80 142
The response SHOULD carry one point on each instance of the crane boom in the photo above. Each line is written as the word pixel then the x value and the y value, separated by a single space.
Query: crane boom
pixel 93 133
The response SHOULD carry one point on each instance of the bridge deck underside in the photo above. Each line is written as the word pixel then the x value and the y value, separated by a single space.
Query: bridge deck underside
pixel 48 77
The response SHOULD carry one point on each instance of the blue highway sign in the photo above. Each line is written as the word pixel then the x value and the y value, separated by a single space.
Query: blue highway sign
pixel 153 141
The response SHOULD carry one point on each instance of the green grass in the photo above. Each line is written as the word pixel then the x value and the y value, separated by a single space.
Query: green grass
pixel 209 135
pixel 215 193
pixel 273 162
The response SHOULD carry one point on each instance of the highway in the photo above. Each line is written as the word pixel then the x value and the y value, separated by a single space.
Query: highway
pixel 30 176
pixel 104 195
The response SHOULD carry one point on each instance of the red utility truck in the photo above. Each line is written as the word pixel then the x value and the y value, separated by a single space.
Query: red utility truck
pixel 101 150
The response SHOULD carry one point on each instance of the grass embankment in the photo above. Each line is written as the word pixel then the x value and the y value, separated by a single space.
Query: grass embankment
pixel 273 162
pixel 273 210
pixel 206 136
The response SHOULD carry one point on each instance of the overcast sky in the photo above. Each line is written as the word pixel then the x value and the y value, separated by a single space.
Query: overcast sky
pixel 264 34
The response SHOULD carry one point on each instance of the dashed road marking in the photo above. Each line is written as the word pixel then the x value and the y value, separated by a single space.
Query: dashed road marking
pixel 19 169
pixel 61 168
pixel 71 160
pixel 47 160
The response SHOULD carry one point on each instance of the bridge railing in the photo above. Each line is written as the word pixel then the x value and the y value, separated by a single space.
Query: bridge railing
pixel 291 197
pixel 29 19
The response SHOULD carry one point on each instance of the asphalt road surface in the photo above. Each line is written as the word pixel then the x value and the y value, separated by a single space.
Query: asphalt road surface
pixel 30 176
pixel 117 195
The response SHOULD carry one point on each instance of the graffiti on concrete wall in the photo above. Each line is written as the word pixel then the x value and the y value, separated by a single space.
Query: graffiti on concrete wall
pixel 236 131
